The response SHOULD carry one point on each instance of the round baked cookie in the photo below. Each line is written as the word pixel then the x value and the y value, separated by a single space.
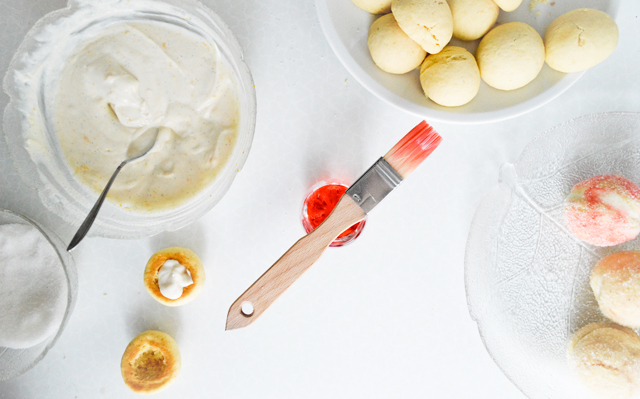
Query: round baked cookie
pixel 451 77
pixel 615 282
pixel 472 18
pixel 606 358
pixel 508 5
pixel 604 210
pixel 580 39
pixel 391 49
pixel 510 56
pixel 150 362
pixel 184 257
pixel 428 22
pixel 374 6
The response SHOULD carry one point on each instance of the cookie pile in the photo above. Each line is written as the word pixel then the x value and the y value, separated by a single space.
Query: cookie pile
pixel 416 33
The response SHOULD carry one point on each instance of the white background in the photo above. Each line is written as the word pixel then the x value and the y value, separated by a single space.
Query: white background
pixel 385 317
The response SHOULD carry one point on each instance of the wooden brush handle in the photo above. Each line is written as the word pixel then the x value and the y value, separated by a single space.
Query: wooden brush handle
pixel 304 253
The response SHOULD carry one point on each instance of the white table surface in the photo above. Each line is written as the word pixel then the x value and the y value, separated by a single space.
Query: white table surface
pixel 385 317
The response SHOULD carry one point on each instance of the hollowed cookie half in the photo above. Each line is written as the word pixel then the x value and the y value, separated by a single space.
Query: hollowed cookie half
pixel 151 362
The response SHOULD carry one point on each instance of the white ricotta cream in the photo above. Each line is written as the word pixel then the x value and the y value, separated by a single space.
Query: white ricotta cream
pixel 129 77
pixel 172 278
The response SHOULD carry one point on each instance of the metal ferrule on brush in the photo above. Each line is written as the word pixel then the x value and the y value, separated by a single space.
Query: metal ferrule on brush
pixel 374 185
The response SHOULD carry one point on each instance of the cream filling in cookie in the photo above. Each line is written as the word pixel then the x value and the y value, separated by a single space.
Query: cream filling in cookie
pixel 172 278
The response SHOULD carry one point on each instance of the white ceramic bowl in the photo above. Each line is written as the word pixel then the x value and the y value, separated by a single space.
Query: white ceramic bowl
pixel 346 27
pixel 14 362
pixel 56 185
pixel 526 274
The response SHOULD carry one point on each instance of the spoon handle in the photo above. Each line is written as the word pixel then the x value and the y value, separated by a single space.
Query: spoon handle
pixel 88 221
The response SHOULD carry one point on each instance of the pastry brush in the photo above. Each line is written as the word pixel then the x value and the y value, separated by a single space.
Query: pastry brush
pixel 371 188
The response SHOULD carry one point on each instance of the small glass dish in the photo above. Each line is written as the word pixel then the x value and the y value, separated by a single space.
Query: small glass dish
pixel 526 275
pixel 322 198
pixel 14 362
pixel 58 188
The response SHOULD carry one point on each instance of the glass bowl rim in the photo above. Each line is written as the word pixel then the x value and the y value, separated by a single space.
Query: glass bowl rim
pixel 51 182
pixel 71 278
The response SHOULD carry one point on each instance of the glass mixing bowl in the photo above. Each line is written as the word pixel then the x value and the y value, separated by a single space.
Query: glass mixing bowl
pixel 54 181
pixel 526 275
pixel 14 362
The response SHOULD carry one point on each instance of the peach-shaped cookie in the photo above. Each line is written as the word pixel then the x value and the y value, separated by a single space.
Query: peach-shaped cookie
pixel 606 357
pixel 151 362
pixel 174 276
pixel 604 210
pixel 374 6
pixel 391 49
pixel 615 282
pixel 427 22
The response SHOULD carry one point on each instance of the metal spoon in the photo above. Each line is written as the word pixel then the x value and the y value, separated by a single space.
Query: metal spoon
pixel 138 148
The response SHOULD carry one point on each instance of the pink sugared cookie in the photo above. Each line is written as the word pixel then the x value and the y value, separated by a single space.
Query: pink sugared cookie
pixel 604 210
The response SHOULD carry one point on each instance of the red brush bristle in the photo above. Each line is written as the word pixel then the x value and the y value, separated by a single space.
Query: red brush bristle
pixel 414 148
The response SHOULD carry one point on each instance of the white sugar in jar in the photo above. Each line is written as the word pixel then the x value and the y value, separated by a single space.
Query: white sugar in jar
pixel 33 287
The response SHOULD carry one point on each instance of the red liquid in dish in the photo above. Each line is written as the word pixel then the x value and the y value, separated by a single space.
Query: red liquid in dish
pixel 319 204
